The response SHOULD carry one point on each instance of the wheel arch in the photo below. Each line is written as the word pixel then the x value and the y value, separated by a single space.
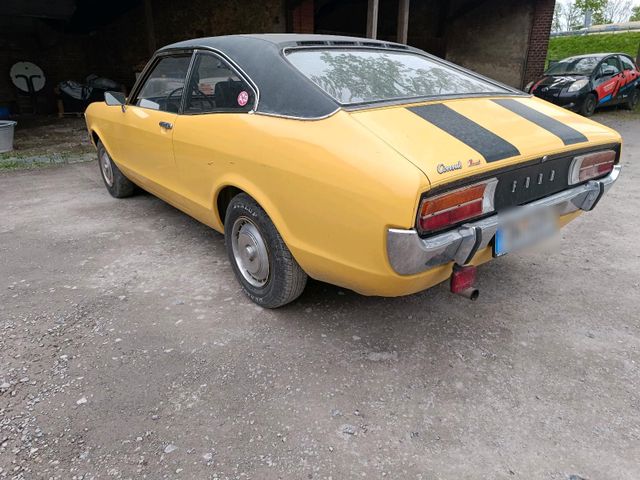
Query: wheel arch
pixel 223 199
pixel 95 138
pixel 235 185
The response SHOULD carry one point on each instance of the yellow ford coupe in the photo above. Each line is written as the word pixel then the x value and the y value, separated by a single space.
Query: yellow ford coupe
pixel 365 164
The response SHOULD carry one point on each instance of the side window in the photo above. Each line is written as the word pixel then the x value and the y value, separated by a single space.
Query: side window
pixel 627 64
pixel 215 87
pixel 162 90
pixel 611 66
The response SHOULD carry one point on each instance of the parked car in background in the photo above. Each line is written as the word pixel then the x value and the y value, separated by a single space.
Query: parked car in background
pixel 586 82
pixel 366 164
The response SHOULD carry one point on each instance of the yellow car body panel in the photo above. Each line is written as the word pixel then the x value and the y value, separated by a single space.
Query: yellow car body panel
pixel 333 186
pixel 427 146
pixel 330 187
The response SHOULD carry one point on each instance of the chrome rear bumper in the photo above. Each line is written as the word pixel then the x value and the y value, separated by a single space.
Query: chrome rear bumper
pixel 409 254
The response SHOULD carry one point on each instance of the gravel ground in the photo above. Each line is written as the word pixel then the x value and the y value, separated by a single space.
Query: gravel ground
pixel 43 140
pixel 127 350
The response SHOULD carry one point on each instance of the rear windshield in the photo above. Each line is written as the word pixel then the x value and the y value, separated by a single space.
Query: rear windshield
pixel 353 76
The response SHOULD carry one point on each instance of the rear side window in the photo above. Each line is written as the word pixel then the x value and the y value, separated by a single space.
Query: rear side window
pixel 627 64
pixel 162 90
pixel 215 87
pixel 353 76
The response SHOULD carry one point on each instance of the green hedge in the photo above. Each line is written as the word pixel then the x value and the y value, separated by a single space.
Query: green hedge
pixel 562 47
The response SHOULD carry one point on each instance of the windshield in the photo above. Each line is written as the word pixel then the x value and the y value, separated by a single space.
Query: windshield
pixel 574 66
pixel 353 76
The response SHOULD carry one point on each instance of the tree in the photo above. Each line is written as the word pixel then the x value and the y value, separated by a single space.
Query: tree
pixel 570 14
pixel 572 17
pixel 566 17
pixel 616 11
pixel 635 14
pixel 596 7
pixel 558 17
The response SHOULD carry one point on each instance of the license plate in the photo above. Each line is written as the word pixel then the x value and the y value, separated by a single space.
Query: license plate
pixel 518 233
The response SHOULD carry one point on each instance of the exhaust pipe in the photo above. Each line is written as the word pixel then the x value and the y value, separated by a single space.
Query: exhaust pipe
pixel 463 279
pixel 470 293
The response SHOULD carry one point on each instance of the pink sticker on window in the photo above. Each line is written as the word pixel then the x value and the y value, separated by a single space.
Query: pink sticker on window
pixel 243 98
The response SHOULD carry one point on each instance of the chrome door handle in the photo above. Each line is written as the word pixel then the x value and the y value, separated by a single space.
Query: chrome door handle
pixel 166 125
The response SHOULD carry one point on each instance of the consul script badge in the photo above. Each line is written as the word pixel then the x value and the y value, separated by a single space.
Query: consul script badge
pixel 442 168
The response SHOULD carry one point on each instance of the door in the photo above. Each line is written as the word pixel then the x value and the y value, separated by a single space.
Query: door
pixel 608 80
pixel 630 77
pixel 213 135
pixel 149 119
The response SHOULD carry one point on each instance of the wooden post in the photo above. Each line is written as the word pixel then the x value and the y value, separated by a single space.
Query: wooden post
pixel 148 18
pixel 372 19
pixel 403 20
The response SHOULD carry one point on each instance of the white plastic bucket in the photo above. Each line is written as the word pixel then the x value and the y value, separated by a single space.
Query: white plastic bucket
pixel 6 135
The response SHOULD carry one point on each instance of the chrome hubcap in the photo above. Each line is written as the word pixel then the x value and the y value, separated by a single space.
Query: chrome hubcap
pixel 105 166
pixel 250 252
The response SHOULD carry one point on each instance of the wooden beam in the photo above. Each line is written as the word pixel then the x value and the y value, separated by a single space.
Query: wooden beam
pixel 403 20
pixel 151 31
pixel 372 19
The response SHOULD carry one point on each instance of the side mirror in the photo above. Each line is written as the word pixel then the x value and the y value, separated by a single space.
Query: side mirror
pixel 114 99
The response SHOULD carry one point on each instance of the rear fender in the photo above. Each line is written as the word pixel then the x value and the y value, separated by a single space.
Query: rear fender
pixel 231 179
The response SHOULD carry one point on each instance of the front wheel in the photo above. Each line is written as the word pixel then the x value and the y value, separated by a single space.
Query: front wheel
pixel 117 184
pixel 262 263
pixel 633 100
pixel 589 105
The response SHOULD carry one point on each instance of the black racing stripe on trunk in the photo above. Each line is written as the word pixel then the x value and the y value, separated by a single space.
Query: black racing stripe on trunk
pixel 486 143
pixel 568 135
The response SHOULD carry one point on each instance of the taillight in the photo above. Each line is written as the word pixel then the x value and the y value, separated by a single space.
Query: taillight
pixel 442 211
pixel 591 165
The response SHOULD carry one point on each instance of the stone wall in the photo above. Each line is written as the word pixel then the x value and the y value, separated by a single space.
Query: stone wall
pixel 493 40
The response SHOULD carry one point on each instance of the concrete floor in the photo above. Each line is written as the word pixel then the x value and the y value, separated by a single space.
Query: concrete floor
pixel 127 350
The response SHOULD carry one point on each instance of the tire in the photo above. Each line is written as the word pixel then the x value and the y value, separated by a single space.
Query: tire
pixel 589 105
pixel 633 100
pixel 117 184
pixel 262 263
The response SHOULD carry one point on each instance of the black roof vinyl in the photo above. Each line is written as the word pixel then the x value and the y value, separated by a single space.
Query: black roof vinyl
pixel 283 90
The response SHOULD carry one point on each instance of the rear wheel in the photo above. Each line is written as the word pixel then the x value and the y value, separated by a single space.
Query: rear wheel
pixel 261 261
pixel 633 100
pixel 588 105
pixel 117 184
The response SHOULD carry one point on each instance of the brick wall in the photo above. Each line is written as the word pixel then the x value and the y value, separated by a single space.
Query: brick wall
pixel 538 40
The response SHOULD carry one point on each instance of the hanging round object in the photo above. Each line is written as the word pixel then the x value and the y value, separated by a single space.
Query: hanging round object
pixel 24 73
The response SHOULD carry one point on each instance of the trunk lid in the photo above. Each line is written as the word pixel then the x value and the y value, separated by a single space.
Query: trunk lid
pixel 453 139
